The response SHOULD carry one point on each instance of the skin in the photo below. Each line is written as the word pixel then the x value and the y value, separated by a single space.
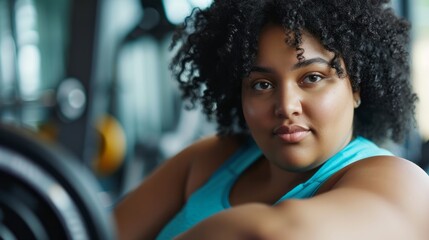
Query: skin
pixel 143 212
pixel 376 198
pixel 281 91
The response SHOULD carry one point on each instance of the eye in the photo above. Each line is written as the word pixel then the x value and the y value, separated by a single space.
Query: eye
pixel 262 86
pixel 312 78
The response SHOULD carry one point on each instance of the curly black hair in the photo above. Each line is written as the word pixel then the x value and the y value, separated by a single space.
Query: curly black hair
pixel 219 46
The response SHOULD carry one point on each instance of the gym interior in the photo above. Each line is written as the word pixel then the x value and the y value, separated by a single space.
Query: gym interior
pixel 88 108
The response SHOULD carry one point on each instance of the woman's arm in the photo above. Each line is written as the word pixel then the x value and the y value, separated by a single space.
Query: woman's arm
pixel 143 212
pixel 377 198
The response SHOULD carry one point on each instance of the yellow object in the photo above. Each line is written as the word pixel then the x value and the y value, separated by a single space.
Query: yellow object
pixel 48 131
pixel 112 146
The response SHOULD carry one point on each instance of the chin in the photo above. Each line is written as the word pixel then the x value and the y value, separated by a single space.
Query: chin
pixel 295 168
pixel 298 163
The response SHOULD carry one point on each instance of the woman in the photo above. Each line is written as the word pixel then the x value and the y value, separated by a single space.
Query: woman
pixel 298 88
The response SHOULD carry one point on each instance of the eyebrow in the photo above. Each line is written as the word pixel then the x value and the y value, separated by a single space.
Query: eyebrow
pixel 305 63
pixel 299 64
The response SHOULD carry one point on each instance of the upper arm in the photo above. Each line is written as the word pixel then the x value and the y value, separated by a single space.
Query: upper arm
pixel 400 185
pixel 144 211
pixel 376 198
pixel 398 182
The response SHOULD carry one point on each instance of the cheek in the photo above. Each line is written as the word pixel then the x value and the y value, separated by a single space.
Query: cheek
pixel 254 112
pixel 333 108
pixel 251 113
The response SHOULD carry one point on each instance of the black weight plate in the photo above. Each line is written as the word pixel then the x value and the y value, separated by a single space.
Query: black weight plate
pixel 52 184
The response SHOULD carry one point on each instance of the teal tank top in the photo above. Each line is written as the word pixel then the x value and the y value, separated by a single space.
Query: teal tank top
pixel 213 196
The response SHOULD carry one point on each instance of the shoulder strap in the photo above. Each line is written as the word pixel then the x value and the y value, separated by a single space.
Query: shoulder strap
pixel 247 154
pixel 360 148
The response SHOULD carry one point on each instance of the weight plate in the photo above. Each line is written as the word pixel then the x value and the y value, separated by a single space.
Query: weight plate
pixel 48 192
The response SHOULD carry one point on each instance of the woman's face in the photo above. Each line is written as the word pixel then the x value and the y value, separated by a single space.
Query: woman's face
pixel 300 113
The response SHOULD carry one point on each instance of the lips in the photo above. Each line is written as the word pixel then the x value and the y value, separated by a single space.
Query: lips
pixel 291 133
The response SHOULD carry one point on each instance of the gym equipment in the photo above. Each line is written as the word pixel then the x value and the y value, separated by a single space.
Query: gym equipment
pixel 111 144
pixel 45 193
pixel 112 147
pixel 69 100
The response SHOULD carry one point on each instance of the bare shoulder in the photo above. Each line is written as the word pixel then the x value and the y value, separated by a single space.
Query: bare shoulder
pixel 208 155
pixel 385 169
pixel 392 172
pixel 165 190
pixel 398 182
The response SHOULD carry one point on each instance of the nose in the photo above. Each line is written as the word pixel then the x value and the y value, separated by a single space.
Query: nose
pixel 288 102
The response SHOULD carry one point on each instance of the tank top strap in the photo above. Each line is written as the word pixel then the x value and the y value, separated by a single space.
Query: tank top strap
pixel 247 154
pixel 358 149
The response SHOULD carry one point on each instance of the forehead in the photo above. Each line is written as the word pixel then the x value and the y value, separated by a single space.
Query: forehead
pixel 272 40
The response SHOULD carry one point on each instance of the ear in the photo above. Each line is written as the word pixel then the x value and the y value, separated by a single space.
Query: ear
pixel 357 100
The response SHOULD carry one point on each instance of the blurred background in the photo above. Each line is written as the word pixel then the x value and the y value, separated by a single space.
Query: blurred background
pixel 92 75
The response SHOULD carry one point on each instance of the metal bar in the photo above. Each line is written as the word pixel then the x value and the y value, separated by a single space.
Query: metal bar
pixel 78 135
